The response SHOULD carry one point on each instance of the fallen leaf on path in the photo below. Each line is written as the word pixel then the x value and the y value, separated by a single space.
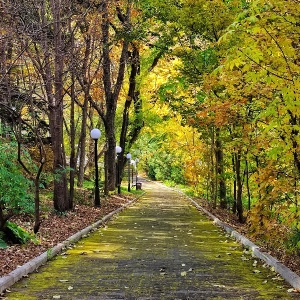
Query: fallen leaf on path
pixel 244 258
pixel 219 285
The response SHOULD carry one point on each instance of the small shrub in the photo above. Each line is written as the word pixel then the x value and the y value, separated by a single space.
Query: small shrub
pixel 15 188
pixel 18 234
pixel 293 243
pixel 3 244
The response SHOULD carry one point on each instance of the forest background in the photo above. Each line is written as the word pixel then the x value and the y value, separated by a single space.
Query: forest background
pixel 204 93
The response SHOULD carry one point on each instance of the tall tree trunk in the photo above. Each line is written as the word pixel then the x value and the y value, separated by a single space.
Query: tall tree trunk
pixel 82 140
pixel 37 221
pixel 247 185
pixel 239 202
pixel 212 171
pixel 220 170
pixel 112 92
pixel 132 96
pixel 72 144
pixel 60 192
pixel 295 122
pixel 234 206
pixel 72 134
pixel 85 81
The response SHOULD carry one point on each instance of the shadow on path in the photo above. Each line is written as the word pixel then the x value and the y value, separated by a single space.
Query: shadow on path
pixel 159 248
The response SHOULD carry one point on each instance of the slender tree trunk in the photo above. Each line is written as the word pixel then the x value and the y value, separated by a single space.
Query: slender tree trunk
pixel 110 157
pixel 213 170
pixel 132 96
pixel 239 202
pixel 72 144
pixel 37 221
pixel 234 206
pixel 73 160
pixel 85 83
pixel 247 185
pixel 82 140
pixel 220 170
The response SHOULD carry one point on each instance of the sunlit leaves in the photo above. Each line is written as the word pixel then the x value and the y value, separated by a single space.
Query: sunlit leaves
pixel 249 85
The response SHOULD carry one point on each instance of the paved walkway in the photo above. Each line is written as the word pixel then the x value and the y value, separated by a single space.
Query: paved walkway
pixel 159 248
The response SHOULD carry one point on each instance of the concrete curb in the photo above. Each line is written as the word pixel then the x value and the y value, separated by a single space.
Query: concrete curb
pixel 291 277
pixel 29 267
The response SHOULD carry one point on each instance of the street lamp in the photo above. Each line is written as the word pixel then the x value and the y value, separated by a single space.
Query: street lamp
pixel 128 156
pixel 118 151
pixel 136 172
pixel 95 135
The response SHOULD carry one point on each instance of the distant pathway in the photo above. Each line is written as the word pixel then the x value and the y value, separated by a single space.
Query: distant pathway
pixel 159 248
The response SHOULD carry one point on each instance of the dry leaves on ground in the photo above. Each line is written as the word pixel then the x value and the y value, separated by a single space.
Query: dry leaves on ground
pixel 55 229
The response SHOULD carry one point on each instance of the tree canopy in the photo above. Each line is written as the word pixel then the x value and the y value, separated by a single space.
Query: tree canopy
pixel 206 93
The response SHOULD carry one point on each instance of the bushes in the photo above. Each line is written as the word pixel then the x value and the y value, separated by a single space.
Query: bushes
pixel 15 188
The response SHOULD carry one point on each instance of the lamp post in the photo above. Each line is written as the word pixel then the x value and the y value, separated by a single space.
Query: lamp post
pixel 118 151
pixel 128 156
pixel 136 172
pixel 95 135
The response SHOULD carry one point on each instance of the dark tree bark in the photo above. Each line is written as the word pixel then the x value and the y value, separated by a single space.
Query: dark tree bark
pixel 239 202
pixel 73 163
pixel 234 184
pixel 213 170
pixel 220 170
pixel 84 79
pixel 247 184
pixel 127 139
pixel 55 101
pixel 112 88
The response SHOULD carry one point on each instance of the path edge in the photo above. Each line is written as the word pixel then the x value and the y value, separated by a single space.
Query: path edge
pixel 10 279
pixel 291 277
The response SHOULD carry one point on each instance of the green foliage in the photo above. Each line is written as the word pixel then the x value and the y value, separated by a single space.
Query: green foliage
pixel 293 242
pixel 20 233
pixel 58 174
pixel 163 166
pixel 15 194
pixel 235 69
pixel 3 244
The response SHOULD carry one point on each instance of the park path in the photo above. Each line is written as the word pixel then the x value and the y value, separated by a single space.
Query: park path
pixel 161 247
